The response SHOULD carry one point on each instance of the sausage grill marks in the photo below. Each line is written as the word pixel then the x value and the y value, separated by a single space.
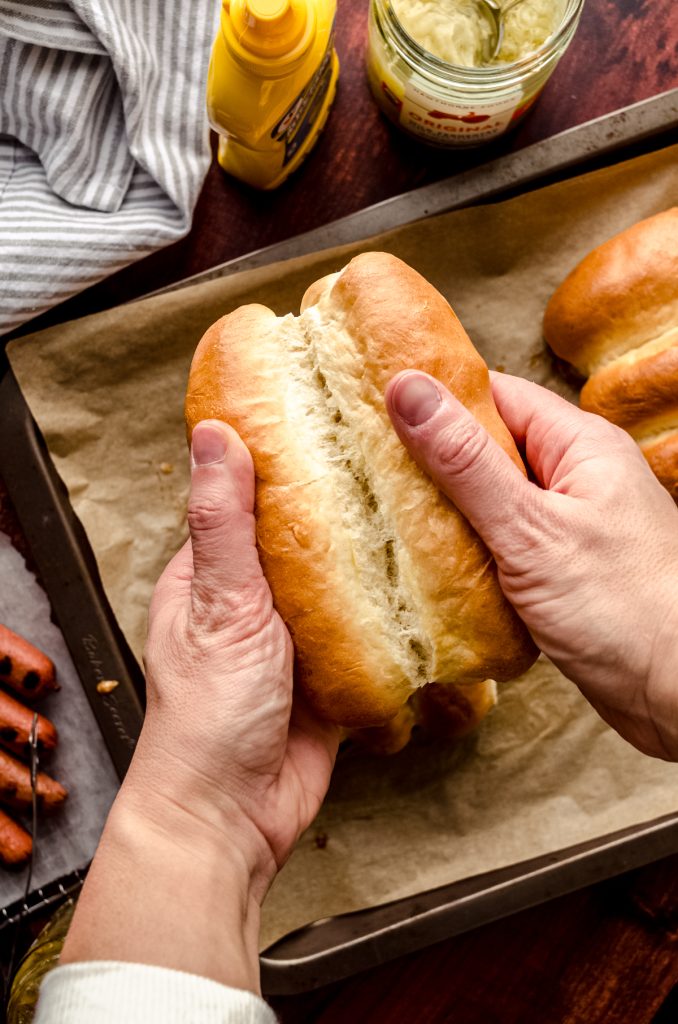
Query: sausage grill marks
pixel 31 675
pixel 24 668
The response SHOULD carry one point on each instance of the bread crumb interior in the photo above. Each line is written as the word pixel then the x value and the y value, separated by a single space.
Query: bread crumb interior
pixel 324 398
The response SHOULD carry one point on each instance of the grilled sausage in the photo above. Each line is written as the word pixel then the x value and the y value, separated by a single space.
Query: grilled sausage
pixel 16 722
pixel 23 667
pixel 15 786
pixel 15 843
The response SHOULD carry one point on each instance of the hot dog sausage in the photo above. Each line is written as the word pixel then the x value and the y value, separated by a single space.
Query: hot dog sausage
pixel 23 667
pixel 15 727
pixel 15 843
pixel 15 786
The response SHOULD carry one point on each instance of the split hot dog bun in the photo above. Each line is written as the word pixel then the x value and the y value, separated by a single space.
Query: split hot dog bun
pixel 616 319
pixel 383 584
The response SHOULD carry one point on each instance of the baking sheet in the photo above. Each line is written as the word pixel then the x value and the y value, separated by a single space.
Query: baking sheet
pixel 543 772
pixel 68 838
pixel 596 143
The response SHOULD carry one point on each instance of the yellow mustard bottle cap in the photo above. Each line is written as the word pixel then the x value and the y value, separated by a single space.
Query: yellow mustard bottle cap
pixel 268 28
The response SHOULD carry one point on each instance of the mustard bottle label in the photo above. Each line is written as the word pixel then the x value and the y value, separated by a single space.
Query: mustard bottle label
pixel 299 119
pixel 269 93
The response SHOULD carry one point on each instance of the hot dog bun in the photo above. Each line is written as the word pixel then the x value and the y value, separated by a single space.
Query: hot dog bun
pixel 615 318
pixel 383 584
pixel 443 710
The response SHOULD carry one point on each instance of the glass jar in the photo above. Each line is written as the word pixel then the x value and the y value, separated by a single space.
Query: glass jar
pixel 447 105
pixel 41 958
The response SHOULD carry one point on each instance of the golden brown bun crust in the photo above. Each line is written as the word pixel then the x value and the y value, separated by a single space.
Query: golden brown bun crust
pixel 621 295
pixel 390 737
pixel 445 712
pixel 616 318
pixel 316 290
pixel 636 396
pixel 400 322
pixel 662 456
pixel 341 506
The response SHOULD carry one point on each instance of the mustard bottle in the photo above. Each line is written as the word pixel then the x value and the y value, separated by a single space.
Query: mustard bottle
pixel 271 82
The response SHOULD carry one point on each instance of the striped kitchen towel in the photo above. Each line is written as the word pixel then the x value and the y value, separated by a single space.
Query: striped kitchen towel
pixel 103 139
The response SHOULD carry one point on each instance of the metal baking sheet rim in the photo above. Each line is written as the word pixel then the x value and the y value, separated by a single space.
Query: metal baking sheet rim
pixel 338 947
pixel 407 925
pixel 569 152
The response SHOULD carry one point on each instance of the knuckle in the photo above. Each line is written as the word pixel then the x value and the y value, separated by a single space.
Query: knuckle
pixel 624 444
pixel 613 453
pixel 606 438
pixel 610 489
pixel 459 446
pixel 207 512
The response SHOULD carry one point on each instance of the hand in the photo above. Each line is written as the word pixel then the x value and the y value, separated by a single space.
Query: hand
pixel 587 555
pixel 227 772
pixel 218 734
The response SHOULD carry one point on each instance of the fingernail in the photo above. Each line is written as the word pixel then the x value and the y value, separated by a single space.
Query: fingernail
pixel 208 445
pixel 415 399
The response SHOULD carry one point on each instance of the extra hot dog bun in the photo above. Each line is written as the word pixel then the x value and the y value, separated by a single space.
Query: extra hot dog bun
pixel 382 582
pixel 616 319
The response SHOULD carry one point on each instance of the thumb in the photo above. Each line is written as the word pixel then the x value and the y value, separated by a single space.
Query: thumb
pixel 220 515
pixel 466 463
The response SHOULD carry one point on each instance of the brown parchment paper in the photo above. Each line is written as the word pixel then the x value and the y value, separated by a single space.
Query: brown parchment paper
pixel 543 772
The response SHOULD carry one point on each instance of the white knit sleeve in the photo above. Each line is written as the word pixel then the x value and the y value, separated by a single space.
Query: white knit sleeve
pixel 106 992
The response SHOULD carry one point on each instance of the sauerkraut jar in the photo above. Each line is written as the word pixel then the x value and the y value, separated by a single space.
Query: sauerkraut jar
pixel 431 70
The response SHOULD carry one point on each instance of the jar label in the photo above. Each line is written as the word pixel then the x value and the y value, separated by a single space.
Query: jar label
pixel 444 122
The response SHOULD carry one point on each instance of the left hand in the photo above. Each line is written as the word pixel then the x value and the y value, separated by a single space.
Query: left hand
pixel 221 735
pixel 228 770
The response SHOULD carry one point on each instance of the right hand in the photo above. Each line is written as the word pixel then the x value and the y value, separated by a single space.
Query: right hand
pixel 587 555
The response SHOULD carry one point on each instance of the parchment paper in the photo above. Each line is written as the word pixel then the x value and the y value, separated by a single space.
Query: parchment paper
pixel 543 772
pixel 68 838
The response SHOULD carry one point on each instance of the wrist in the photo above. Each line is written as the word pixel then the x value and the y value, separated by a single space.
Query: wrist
pixel 166 890
pixel 177 800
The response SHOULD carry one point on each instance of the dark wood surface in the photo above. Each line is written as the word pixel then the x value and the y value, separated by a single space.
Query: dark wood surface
pixel 624 51
pixel 604 955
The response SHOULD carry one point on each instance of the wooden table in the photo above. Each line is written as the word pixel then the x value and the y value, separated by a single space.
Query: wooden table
pixel 604 955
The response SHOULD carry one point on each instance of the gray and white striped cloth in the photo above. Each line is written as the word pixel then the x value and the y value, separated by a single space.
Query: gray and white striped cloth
pixel 103 139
